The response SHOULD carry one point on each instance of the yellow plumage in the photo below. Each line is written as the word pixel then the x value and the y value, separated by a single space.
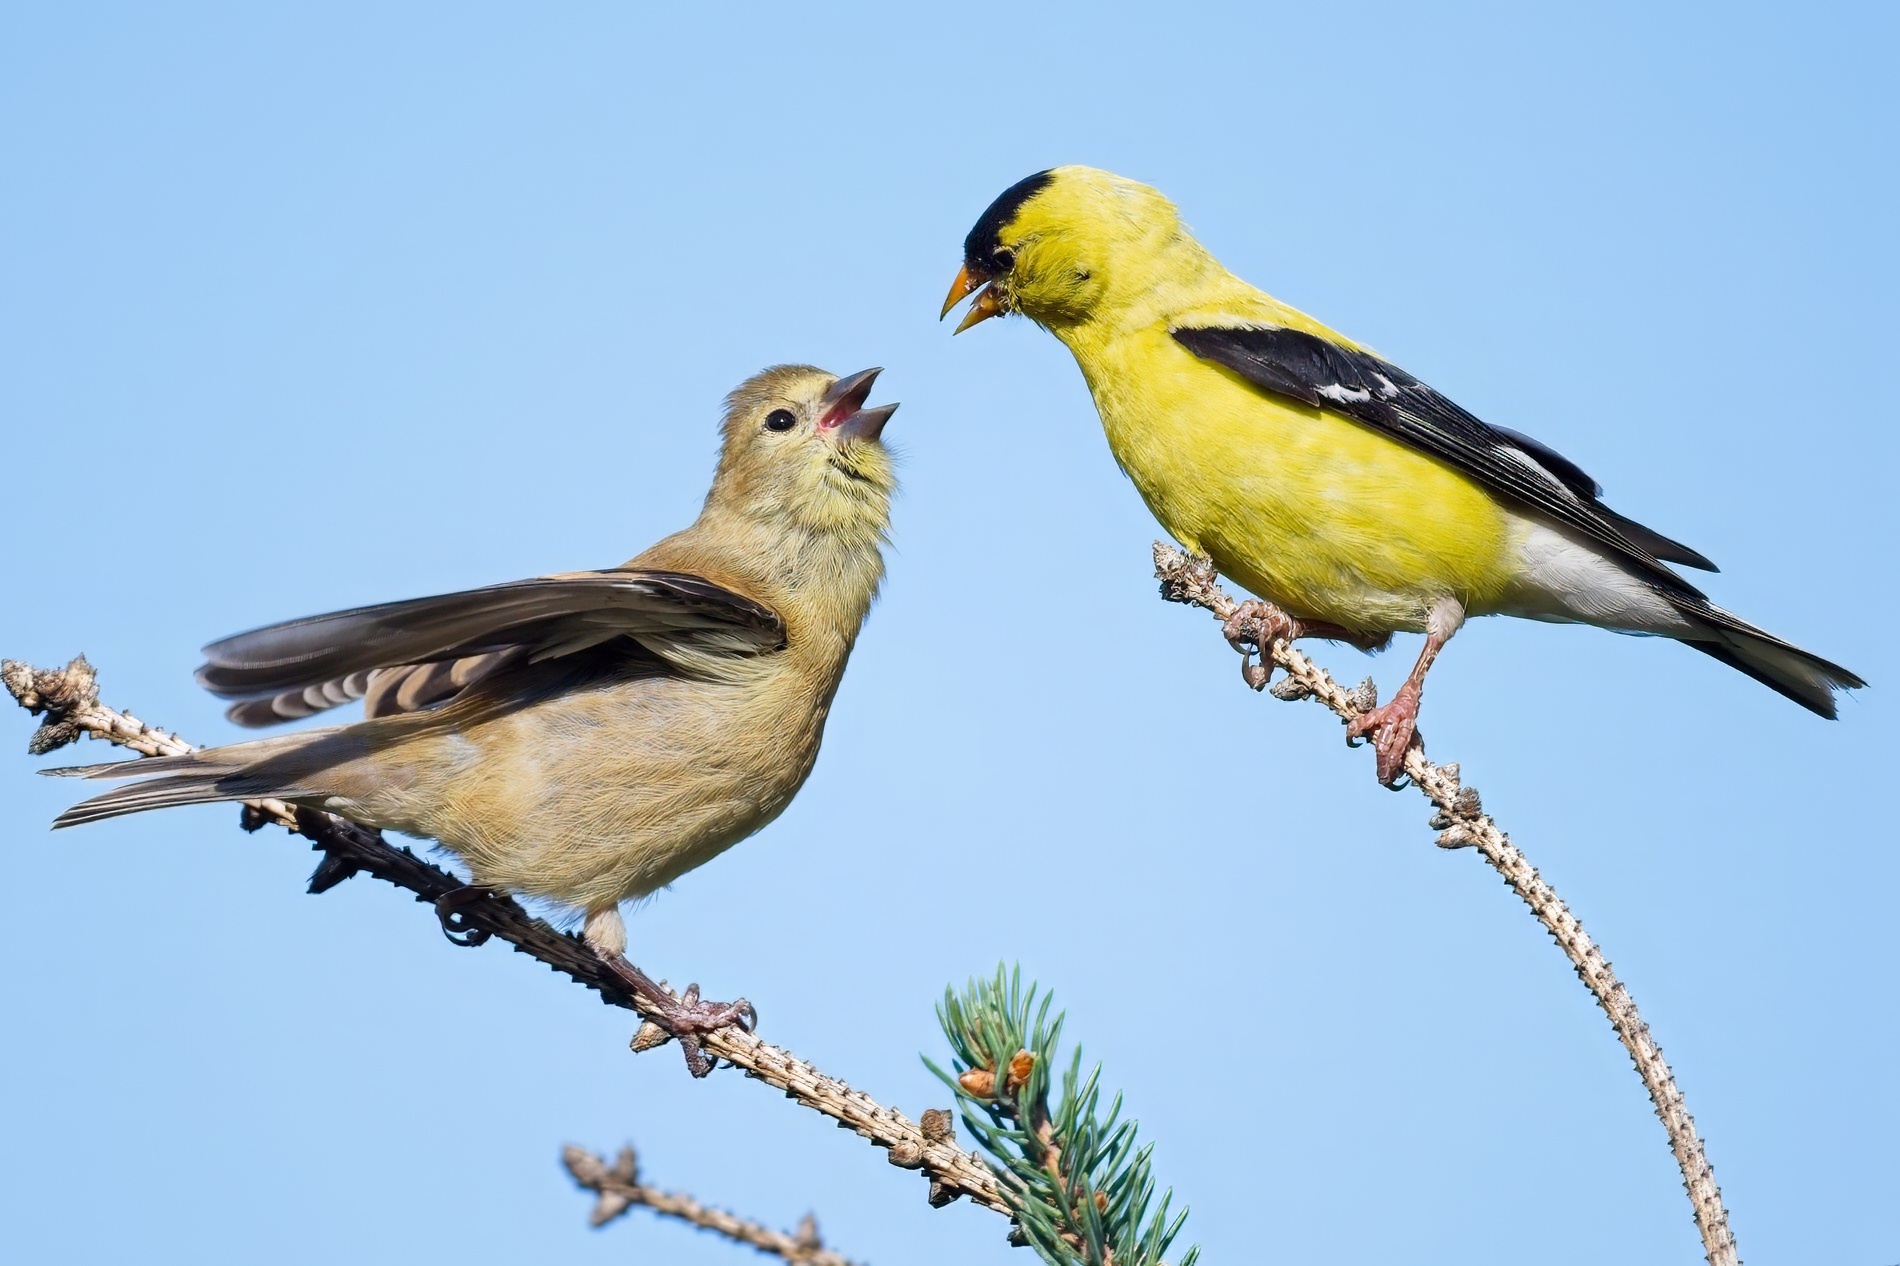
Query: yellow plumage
pixel 1351 496
pixel 1307 508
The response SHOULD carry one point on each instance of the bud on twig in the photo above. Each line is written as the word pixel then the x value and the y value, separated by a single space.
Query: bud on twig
pixel 979 1082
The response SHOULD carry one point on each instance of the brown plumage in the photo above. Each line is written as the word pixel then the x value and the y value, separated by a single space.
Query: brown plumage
pixel 587 737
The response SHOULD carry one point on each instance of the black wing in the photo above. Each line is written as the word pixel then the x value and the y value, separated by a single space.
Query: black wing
pixel 1360 386
pixel 404 655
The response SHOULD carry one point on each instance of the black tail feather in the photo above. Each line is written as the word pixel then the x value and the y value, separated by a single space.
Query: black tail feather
pixel 1789 671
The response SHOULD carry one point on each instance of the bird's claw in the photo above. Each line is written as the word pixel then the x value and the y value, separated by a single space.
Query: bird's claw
pixel 1393 728
pixel 671 1015
pixel 1256 625
pixel 452 909
pixel 688 1019
pixel 1252 629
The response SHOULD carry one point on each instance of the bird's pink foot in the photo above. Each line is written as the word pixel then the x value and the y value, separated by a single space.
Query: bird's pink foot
pixel 1393 728
pixel 1252 629
pixel 1255 624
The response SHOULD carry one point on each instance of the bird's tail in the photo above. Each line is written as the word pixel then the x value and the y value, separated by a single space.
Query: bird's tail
pixel 1781 666
pixel 276 767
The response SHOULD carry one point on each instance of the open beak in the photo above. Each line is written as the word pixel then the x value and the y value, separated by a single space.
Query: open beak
pixel 844 412
pixel 986 305
pixel 960 289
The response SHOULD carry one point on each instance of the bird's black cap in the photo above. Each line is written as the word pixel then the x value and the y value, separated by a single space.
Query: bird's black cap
pixel 981 244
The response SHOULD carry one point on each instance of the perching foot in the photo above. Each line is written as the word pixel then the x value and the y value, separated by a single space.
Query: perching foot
pixel 1393 728
pixel 682 1016
pixel 689 1019
pixel 1252 630
pixel 1255 626
pixel 452 909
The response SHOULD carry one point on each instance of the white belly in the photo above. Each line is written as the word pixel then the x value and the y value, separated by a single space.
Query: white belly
pixel 1564 578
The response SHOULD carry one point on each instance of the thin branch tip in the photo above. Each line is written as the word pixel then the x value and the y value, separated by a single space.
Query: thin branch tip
pixel 618 1189
pixel 1462 823
pixel 56 694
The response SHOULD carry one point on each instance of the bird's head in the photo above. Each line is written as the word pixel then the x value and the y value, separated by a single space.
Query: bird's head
pixel 1063 244
pixel 801 449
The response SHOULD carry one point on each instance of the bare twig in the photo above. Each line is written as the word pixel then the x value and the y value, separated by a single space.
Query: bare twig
pixel 1462 823
pixel 619 1187
pixel 69 699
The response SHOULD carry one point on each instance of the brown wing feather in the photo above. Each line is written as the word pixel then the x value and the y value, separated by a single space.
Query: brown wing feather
pixel 406 655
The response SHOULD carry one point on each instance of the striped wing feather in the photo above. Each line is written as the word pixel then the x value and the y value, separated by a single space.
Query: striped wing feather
pixel 400 656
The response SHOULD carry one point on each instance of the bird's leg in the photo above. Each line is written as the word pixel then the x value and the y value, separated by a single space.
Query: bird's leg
pixel 1255 626
pixel 452 909
pixel 683 1016
pixel 1393 726
pixel 606 931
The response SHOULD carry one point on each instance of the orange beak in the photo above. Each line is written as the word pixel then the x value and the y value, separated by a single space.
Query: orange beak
pixel 960 290
pixel 986 306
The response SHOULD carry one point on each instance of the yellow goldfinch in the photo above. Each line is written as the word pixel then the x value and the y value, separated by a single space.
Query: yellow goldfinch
pixel 1351 496
pixel 586 737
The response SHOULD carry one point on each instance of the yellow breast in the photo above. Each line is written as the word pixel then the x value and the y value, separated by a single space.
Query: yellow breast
pixel 1307 509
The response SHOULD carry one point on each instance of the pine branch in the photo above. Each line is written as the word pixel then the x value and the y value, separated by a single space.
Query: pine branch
pixel 1081 1190
pixel 620 1189
pixel 69 700
pixel 1462 823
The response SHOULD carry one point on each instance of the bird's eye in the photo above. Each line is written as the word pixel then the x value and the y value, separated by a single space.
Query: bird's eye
pixel 1004 257
pixel 780 420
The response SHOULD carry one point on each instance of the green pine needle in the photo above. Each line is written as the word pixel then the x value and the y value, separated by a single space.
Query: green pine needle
pixel 1079 1186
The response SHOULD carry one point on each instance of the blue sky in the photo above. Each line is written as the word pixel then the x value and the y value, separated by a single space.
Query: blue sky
pixel 305 308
